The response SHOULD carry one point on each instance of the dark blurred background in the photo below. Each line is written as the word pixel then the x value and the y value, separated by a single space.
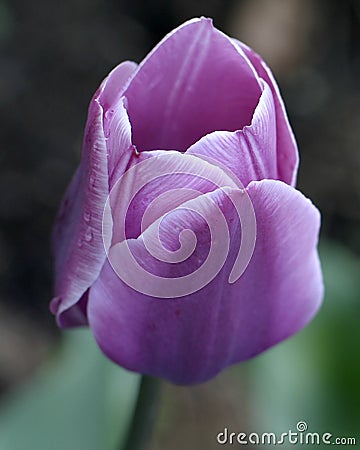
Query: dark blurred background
pixel 53 57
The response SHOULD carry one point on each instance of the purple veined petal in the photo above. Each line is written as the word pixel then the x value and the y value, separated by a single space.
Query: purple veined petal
pixel 155 335
pixel 77 226
pixel 194 82
pixel 117 128
pixel 190 339
pixel 282 286
pixel 113 86
pixel 288 157
pixel 181 238
pixel 250 153
pixel 77 239
pixel 157 182
pixel 121 151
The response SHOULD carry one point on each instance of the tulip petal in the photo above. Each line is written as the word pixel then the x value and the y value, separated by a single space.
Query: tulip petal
pixel 77 239
pixel 249 153
pixel 288 157
pixel 113 86
pixel 121 151
pixel 117 128
pixel 194 82
pixel 155 335
pixel 190 339
pixel 165 176
pixel 282 287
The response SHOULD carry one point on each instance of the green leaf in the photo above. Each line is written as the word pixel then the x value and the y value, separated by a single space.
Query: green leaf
pixel 80 401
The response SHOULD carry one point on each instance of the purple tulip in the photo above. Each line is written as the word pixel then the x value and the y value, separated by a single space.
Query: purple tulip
pixel 194 138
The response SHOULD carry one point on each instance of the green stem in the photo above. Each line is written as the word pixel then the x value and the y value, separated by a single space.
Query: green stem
pixel 139 433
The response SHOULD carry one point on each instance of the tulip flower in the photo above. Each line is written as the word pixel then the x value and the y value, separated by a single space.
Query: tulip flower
pixel 182 241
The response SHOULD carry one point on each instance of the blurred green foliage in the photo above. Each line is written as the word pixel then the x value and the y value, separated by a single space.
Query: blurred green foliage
pixel 6 21
pixel 80 401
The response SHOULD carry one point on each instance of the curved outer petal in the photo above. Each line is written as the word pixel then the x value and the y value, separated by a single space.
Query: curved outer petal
pixel 121 151
pixel 190 339
pixel 112 88
pixel 194 82
pixel 77 238
pixel 250 153
pixel 288 157
pixel 172 175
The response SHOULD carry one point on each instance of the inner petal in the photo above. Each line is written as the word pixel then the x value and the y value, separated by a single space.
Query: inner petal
pixel 194 82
